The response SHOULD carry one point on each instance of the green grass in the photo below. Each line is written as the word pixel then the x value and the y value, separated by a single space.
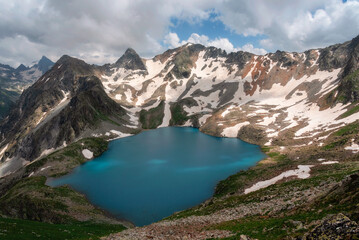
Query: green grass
pixel 265 149
pixel 30 198
pixel 179 117
pixel 271 228
pixel 71 154
pixel 343 200
pixel 342 136
pixel 152 118
pixel 348 129
pixel 183 64
pixel 14 229
pixel 320 174
pixel 351 111
pixel 237 181
pixel 273 154
pixel 348 87
pixel 335 144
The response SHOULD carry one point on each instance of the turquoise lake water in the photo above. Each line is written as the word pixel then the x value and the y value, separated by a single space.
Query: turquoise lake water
pixel 149 176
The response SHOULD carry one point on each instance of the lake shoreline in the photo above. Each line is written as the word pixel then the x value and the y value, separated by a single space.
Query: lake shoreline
pixel 215 139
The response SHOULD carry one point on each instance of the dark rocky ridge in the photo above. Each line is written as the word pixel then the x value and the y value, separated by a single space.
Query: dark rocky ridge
pixel 349 85
pixel 21 68
pixel 130 60
pixel 44 64
pixel 89 103
pixel 86 109
pixel 70 75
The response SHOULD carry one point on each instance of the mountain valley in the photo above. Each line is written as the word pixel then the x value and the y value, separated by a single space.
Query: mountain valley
pixel 301 108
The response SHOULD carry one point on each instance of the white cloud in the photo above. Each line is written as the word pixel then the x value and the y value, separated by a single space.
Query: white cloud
pixel 293 25
pixel 250 48
pixel 100 31
pixel 173 41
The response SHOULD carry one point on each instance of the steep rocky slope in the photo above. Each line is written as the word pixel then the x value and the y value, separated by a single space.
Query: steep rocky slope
pixel 277 99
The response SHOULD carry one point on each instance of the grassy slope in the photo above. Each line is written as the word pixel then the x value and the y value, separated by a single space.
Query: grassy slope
pixel 282 224
pixel 30 199
pixel 14 229
pixel 227 194
pixel 66 159
pixel 152 118
pixel 277 225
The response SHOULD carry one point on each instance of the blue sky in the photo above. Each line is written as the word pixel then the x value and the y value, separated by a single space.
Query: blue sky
pixel 213 28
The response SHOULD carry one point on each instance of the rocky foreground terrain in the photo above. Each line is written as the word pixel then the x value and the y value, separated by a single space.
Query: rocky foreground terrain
pixel 300 107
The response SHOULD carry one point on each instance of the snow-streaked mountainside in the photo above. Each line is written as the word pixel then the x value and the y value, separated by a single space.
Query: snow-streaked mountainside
pixel 14 80
pixel 283 99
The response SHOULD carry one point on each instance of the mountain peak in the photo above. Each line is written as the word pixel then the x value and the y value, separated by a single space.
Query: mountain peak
pixel 68 59
pixel 21 67
pixel 130 60
pixel 44 64
pixel 74 64
pixel 130 51
pixel 44 59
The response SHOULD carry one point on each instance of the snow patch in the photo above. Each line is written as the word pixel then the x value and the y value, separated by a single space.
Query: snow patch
pixel 233 131
pixel 87 153
pixel 47 152
pixel 354 148
pixel 42 169
pixel 302 172
pixel 329 162
pixel 167 117
pixel 3 150
pixel 120 134
pixel 228 110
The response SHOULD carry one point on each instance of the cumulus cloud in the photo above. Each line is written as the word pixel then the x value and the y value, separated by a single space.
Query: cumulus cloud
pixel 293 25
pixel 100 31
pixel 250 48
pixel 172 40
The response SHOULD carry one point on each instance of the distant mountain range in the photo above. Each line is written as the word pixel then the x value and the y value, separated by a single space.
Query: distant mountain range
pixel 14 80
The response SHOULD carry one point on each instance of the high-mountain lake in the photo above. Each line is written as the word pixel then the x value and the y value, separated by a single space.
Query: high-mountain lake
pixel 149 176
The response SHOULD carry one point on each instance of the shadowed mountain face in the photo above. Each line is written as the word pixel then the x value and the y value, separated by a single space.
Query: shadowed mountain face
pixel 44 64
pixel 130 61
pixel 279 98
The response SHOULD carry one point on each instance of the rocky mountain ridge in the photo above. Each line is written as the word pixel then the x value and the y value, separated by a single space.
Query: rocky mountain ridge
pixel 277 99
pixel 300 107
